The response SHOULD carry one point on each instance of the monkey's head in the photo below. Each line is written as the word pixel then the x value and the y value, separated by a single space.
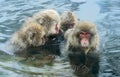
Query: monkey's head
pixel 68 20
pixel 49 19
pixel 34 34
pixel 84 34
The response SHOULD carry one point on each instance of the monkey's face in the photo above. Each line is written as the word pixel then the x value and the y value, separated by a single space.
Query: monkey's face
pixel 67 26
pixel 85 33
pixel 68 20
pixel 84 38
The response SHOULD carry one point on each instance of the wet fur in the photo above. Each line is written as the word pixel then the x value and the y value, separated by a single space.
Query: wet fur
pixel 71 38
pixel 48 19
pixel 76 53
pixel 30 34
pixel 66 19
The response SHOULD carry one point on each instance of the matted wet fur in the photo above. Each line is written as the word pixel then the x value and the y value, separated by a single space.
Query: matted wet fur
pixel 31 34
pixel 49 19
pixel 84 60
pixel 68 20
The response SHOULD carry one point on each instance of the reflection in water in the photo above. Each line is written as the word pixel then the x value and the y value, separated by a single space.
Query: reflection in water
pixel 105 13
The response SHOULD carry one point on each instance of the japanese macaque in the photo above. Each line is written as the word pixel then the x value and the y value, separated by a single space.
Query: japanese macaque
pixel 31 34
pixel 81 47
pixel 49 19
pixel 68 20
pixel 36 30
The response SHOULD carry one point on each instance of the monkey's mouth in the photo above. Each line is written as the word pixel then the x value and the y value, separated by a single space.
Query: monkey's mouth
pixel 84 42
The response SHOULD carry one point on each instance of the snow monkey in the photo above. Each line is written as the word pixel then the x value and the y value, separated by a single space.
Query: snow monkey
pixel 68 20
pixel 42 24
pixel 82 48
pixel 31 34
pixel 49 19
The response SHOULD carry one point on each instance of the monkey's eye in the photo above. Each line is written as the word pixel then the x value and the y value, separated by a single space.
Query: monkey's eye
pixel 84 34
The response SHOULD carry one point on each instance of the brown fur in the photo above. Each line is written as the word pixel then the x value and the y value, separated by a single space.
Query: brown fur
pixel 84 60
pixel 30 34
pixel 68 18
pixel 48 18
pixel 71 34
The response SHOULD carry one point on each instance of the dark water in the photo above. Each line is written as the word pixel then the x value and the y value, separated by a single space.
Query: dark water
pixel 105 13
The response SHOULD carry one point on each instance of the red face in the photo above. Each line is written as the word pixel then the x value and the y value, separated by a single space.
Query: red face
pixel 85 38
pixel 56 29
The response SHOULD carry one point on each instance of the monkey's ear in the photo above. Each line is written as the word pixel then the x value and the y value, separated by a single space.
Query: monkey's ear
pixel 41 21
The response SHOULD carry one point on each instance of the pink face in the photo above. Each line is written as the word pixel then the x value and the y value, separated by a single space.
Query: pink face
pixel 85 38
